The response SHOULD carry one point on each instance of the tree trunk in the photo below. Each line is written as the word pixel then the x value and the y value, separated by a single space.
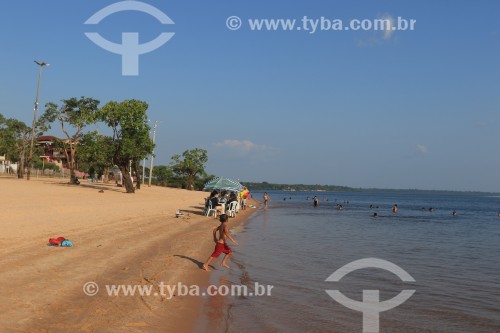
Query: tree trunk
pixel 73 179
pixel 190 182
pixel 137 174
pixel 71 163
pixel 106 174
pixel 20 168
pixel 127 180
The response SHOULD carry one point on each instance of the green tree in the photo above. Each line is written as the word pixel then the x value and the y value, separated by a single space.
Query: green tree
pixel 97 151
pixel 161 174
pixel 201 180
pixel 74 115
pixel 190 164
pixel 15 139
pixel 131 140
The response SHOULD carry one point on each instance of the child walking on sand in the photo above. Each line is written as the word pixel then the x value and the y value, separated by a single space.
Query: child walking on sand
pixel 220 234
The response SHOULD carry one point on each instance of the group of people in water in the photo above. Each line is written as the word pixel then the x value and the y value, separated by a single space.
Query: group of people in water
pixel 423 209
pixel 338 206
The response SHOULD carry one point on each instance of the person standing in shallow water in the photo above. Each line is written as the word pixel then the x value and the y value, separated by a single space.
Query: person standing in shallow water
pixel 265 197
pixel 220 234
pixel 315 201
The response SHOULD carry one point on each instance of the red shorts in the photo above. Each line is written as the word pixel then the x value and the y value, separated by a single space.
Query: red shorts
pixel 221 247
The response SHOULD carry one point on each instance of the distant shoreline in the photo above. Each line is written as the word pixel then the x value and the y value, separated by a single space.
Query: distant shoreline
pixel 265 186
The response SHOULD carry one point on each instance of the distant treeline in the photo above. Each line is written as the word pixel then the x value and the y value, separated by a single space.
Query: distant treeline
pixel 265 186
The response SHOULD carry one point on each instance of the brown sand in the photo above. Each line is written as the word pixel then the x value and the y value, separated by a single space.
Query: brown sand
pixel 119 239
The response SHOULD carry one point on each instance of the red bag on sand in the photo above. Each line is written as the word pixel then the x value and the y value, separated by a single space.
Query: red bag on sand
pixel 56 241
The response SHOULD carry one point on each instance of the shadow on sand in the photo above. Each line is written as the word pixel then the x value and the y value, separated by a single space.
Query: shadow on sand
pixel 95 186
pixel 198 210
pixel 194 261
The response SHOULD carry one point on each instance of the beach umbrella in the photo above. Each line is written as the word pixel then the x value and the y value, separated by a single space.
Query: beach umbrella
pixel 220 183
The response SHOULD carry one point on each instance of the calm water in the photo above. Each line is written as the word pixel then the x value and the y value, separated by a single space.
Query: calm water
pixel 295 247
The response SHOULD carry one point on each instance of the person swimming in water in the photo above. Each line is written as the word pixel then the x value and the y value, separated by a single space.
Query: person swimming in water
pixel 395 208
pixel 315 201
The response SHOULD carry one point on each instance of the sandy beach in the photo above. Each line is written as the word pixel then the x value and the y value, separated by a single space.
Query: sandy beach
pixel 119 239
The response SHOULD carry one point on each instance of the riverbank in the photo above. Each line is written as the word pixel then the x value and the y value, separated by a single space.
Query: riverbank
pixel 120 239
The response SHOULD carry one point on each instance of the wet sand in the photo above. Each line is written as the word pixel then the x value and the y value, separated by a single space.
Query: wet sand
pixel 119 239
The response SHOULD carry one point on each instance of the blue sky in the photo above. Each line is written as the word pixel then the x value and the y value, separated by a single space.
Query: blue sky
pixel 414 109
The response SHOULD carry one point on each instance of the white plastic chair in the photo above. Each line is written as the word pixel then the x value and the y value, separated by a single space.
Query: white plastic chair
pixel 231 211
pixel 209 209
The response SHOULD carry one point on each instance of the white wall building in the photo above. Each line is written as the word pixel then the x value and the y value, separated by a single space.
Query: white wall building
pixel 7 166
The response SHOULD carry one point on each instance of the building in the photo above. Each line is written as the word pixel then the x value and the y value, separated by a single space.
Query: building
pixel 51 152
pixel 7 166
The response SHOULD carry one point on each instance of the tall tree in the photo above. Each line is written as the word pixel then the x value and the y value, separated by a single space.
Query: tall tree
pixel 73 116
pixel 129 123
pixel 190 164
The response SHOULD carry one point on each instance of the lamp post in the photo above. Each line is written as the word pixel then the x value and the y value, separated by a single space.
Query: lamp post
pixel 143 170
pixel 144 164
pixel 152 155
pixel 30 157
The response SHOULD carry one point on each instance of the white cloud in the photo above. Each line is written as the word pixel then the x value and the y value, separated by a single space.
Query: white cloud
pixel 243 146
pixel 422 149
pixel 381 35
pixel 388 31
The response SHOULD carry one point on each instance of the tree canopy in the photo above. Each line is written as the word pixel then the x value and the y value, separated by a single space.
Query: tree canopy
pixel 161 174
pixel 128 121
pixel 96 151
pixel 14 141
pixel 190 164
pixel 73 116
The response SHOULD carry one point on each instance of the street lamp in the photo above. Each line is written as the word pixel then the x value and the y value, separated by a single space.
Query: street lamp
pixel 30 158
